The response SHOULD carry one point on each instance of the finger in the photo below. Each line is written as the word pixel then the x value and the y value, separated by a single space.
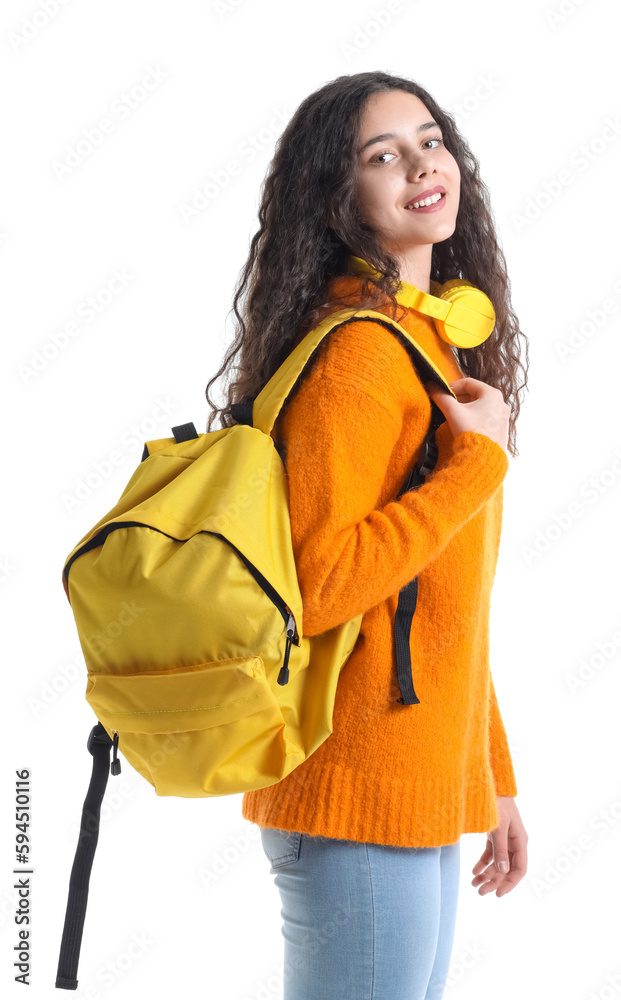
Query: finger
pixel 519 865
pixel 462 383
pixel 500 843
pixel 467 380
pixel 468 388
pixel 490 874
pixel 491 880
pixel 483 862
pixel 510 881
pixel 486 856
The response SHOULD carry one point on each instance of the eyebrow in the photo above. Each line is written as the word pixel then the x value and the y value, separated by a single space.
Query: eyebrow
pixel 393 135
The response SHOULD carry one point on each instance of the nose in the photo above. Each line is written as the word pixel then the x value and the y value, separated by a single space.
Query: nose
pixel 418 168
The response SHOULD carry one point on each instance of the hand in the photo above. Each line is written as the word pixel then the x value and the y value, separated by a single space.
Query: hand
pixel 506 842
pixel 478 407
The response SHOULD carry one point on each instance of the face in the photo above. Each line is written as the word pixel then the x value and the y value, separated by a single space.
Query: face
pixel 407 161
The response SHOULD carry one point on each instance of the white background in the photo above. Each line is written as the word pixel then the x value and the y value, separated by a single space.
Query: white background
pixel 535 89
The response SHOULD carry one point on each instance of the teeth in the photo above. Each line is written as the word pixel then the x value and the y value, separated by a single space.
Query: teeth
pixel 427 201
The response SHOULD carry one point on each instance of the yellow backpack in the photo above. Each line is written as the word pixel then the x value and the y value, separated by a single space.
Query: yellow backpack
pixel 189 614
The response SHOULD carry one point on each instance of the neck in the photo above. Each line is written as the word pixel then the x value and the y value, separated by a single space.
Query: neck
pixel 412 282
pixel 415 266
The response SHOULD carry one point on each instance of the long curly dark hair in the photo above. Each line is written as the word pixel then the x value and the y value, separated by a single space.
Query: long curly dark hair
pixel 309 222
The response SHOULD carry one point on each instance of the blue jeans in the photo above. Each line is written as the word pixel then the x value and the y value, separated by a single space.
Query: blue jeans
pixel 363 921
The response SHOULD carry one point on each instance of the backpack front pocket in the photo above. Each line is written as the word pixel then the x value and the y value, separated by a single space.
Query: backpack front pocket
pixel 201 730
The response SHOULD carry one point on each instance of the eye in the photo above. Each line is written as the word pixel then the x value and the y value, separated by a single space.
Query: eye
pixel 376 158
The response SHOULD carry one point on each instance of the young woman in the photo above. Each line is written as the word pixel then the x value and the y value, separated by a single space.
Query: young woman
pixel 363 838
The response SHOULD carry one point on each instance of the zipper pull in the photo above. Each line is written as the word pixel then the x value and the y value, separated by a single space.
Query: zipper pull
pixel 115 766
pixel 291 624
pixel 283 676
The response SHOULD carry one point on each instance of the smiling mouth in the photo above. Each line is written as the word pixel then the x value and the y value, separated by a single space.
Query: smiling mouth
pixel 431 200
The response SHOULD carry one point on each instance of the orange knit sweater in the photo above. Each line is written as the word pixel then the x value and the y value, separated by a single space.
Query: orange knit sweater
pixel 407 775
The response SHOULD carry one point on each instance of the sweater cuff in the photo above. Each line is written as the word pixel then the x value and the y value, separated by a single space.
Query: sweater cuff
pixel 470 477
pixel 493 462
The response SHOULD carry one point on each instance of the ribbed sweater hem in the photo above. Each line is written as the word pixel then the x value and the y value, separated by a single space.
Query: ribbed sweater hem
pixel 345 807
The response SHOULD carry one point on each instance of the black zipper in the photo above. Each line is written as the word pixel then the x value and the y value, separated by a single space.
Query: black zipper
pixel 115 766
pixel 274 596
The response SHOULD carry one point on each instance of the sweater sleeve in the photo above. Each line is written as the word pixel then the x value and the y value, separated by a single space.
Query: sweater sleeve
pixel 500 757
pixel 338 432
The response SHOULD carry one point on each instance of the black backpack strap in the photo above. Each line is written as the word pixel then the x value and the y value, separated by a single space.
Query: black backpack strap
pixel 408 594
pixel 184 432
pixel 242 412
pixel 98 745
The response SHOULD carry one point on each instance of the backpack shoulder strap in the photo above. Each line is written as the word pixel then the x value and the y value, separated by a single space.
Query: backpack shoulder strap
pixel 98 745
pixel 263 411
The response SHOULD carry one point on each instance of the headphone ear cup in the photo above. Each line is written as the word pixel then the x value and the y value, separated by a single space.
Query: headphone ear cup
pixel 472 318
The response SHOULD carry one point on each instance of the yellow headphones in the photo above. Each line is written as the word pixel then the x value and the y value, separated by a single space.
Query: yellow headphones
pixel 463 315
